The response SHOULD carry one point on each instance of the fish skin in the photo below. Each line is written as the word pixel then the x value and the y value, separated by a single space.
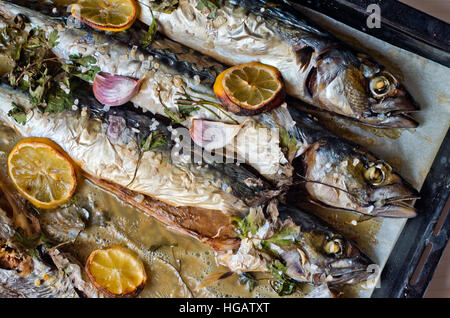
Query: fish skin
pixel 194 221
pixel 317 68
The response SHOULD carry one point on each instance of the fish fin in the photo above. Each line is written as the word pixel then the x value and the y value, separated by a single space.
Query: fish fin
pixel 214 277
pixel 363 218
pixel 304 55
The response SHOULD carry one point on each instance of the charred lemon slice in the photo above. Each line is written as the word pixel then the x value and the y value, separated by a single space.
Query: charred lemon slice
pixel 250 89
pixel 116 271
pixel 108 15
pixel 41 172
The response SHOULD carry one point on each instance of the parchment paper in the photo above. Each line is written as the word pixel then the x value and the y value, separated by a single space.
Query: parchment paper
pixel 413 153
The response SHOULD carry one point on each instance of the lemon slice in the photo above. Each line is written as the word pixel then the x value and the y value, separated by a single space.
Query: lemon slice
pixel 116 271
pixel 250 88
pixel 108 15
pixel 41 172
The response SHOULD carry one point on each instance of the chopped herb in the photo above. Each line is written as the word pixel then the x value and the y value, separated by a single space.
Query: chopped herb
pixel 41 86
pixel 31 52
pixel 83 67
pixel 58 100
pixel 282 284
pixel 250 224
pixel 36 70
pixel 85 61
pixel 164 6
pixel 31 242
pixel 285 236
pixel 18 114
pixel 154 140
pixel 176 118
pixel 53 39
pixel 288 144
pixel 211 5
pixel 248 280
pixel 149 36
pixel 186 111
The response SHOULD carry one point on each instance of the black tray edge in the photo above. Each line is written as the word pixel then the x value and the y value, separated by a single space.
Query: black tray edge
pixel 418 233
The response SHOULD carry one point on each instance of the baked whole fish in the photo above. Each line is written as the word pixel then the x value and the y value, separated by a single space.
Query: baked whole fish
pixel 317 68
pixel 338 173
pixel 246 239
pixel 346 176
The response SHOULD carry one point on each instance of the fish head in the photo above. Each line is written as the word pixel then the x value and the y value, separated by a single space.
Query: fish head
pixel 325 256
pixel 362 89
pixel 339 174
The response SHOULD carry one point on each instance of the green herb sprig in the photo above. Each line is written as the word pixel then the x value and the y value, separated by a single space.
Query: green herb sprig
pixel 31 66
pixel 282 284
pixel 31 242
pixel 154 140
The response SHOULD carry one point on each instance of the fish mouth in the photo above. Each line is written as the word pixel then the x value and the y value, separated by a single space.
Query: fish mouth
pixel 395 113
pixel 349 276
pixel 396 211
pixel 398 120
pixel 401 207
pixel 352 270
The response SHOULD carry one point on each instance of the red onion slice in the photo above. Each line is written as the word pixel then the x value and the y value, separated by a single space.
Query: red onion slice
pixel 114 90
pixel 213 134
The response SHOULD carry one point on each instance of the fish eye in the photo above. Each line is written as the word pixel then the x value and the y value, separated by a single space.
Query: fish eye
pixel 333 246
pixel 380 86
pixel 376 174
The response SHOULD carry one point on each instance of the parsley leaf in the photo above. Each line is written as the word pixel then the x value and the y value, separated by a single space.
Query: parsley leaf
pixel 82 67
pixel 211 5
pixel 164 6
pixel 58 100
pixel 154 140
pixel 285 236
pixel 53 39
pixel 18 114
pixel 30 242
pixel 149 36
pixel 288 144
pixel 282 284
pixel 250 224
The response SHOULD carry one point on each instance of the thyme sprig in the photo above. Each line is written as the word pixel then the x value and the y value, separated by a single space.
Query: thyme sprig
pixel 187 100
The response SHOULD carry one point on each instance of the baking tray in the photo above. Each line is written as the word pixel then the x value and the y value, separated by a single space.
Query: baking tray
pixel 419 247
pixel 402 277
